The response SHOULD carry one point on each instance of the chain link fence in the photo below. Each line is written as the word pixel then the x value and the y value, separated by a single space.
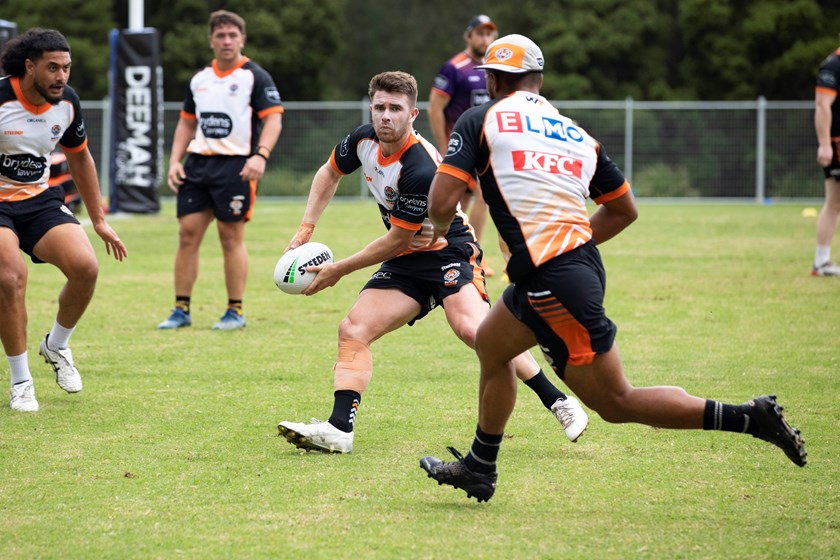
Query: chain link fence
pixel 759 150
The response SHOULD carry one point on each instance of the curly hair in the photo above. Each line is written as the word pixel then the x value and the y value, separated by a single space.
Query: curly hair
pixel 31 46
pixel 394 82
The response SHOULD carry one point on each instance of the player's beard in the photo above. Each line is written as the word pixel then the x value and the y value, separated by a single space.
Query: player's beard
pixel 44 92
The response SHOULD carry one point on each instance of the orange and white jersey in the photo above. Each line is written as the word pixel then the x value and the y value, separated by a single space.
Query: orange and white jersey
pixel 29 134
pixel 229 107
pixel 536 168
pixel 399 183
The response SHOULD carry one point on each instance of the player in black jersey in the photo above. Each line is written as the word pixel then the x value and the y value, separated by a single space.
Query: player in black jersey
pixel 827 124
pixel 413 277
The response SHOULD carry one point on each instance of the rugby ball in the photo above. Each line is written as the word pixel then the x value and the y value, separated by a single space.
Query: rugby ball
pixel 290 274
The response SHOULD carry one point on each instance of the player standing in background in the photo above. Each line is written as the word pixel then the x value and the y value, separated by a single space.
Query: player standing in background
pixel 230 122
pixel 413 278
pixel 827 124
pixel 537 165
pixel 458 86
pixel 37 111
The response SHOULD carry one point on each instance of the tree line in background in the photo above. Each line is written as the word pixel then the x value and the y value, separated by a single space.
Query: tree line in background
pixel 594 49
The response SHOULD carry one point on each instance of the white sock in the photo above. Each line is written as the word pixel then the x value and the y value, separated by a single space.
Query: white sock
pixel 59 337
pixel 822 255
pixel 20 368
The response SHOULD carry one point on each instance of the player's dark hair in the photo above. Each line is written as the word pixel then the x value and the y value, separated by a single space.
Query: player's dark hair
pixel 31 45
pixel 394 82
pixel 224 17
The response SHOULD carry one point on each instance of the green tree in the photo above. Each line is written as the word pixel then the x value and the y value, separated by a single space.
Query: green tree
pixel 86 30
pixel 294 40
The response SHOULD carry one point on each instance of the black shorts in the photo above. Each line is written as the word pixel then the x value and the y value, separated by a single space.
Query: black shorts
pixel 428 277
pixel 32 218
pixel 214 182
pixel 562 302
pixel 833 169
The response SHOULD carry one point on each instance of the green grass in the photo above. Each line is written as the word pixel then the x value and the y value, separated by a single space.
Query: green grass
pixel 171 449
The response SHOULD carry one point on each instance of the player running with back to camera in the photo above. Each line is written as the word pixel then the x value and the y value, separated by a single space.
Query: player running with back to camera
pixel 37 111
pixel 537 169
pixel 413 278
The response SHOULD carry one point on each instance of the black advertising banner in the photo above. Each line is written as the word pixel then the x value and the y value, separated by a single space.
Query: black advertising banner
pixel 137 121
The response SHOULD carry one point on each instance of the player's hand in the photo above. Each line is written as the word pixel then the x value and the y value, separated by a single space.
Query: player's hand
pixel 113 244
pixel 327 277
pixel 824 155
pixel 303 235
pixel 175 177
pixel 437 234
pixel 254 168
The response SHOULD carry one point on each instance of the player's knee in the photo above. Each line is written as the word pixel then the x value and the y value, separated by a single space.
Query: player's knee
pixel 85 271
pixel 348 328
pixel 466 333
pixel 12 281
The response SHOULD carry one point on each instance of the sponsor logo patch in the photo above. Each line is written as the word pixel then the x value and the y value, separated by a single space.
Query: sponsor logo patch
pixel 413 204
pixel 236 205
pixel 527 160
pixel 215 125
pixel 455 144
pixel 450 277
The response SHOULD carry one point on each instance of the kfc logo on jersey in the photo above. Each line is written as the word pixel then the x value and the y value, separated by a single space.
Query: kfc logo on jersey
pixel 441 82
pixel 527 160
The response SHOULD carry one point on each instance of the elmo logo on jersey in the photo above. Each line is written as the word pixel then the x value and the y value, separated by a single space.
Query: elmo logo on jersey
pixel 526 160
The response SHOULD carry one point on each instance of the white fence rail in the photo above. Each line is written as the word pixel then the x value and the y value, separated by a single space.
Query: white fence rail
pixel 760 150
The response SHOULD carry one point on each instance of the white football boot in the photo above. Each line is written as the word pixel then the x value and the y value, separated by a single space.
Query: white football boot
pixel 317 435
pixel 23 397
pixel 66 374
pixel 571 416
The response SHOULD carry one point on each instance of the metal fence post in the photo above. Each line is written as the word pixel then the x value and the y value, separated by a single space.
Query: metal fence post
pixel 364 104
pixel 105 150
pixel 628 138
pixel 760 143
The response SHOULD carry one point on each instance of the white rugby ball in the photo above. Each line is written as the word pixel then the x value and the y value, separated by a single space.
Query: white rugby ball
pixel 290 274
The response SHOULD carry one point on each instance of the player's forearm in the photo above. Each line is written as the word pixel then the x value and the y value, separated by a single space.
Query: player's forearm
pixel 83 170
pixel 377 251
pixel 272 125
pixel 184 132
pixel 822 123
pixel 323 189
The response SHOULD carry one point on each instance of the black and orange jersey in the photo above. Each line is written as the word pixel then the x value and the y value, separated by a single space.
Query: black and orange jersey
pixel 537 168
pixel 828 82
pixel 29 134
pixel 399 183
pixel 229 107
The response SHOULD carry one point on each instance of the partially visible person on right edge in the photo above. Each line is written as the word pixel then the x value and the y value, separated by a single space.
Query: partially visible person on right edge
pixel 827 124
pixel 557 298
pixel 458 86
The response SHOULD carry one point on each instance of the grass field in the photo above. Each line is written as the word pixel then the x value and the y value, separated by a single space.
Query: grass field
pixel 171 450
